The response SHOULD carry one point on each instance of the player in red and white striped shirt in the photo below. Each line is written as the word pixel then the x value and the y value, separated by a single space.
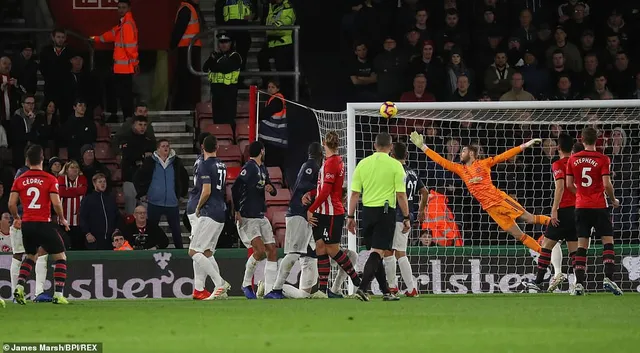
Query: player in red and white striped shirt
pixel 73 188
pixel 326 215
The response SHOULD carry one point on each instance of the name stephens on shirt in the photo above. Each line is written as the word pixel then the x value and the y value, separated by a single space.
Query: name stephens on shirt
pixel 585 160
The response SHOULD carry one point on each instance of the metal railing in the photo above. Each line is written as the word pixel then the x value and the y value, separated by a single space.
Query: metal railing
pixel 48 30
pixel 296 52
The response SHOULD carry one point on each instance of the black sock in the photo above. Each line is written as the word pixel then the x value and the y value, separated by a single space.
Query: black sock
pixel 343 260
pixel 370 269
pixel 580 267
pixel 381 276
pixel 572 261
pixel 609 260
pixel 543 263
pixel 25 270
pixel 324 267
pixel 60 275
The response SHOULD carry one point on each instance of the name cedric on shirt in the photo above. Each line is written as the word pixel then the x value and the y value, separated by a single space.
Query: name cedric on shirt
pixel 31 181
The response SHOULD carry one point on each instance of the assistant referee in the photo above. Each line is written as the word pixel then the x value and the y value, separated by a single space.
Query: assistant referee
pixel 380 180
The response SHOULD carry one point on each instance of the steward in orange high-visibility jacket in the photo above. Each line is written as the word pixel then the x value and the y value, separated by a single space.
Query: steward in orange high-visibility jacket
pixel 439 220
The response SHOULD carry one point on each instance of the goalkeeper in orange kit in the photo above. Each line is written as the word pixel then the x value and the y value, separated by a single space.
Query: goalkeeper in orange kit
pixel 476 174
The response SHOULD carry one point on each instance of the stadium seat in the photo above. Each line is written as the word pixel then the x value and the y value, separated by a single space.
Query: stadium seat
pixel 243 109
pixel 222 132
pixel 275 174
pixel 103 153
pixel 232 174
pixel 278 220
pixel 281 199
pixel 63 153
pixel 242 132
pixel 230 155
pixel 203 110
pixel 104 132
pixel 244 147
pixel 204 124
pixel 242 121
pixel 119 196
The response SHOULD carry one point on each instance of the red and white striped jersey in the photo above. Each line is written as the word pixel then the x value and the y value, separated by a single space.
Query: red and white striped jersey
pixel 71 194
pixel 329 190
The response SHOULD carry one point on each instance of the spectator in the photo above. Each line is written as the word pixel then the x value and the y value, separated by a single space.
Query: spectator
pixel 517 92
pixel 622 77
pixel 134 147
pixel 126 128
pixel 578 23
pixel 636 92
pixel 162 181
pixel 76 84
pixel 455 68
pixel 54 66
pixel 486 26
pixel 587 42
pixel 72 189
pixel 617 25
pixel 515 52
pixel 119 243
pixel 421 18
pixel 558 69
pixel 25 69
pixel 486 53
pixel 563 90
pixel 144 235
pixel 412 44
pixel 431 67
pixel 453 32
pixel 499 8
pixel 55 166
pixel 542 43
pixel 8 91
pixel 418 94
pixel 601 90
pixel 498 76
pixel 223 67
pixel 47 127
pixel 567 10
pixel 534 75
pixel 279 43
pixel 526 31
pixel 5 231
pixel 607 56
pixel 90 167
pixel 362 75
pixel 462 92
pixel 79 130
pixel 573 60
pixel 390 66
pixel 587 76
pixel 99 215
pixel 22 132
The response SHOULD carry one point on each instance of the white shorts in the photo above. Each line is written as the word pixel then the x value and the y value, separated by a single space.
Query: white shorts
pixel 298 236
pixel 16 240
pixel 400 239
pixel 251 228
pixel 205 237
pixel 192 221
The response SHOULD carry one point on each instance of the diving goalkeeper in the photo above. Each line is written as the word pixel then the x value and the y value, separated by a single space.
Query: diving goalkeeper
pixel 476 174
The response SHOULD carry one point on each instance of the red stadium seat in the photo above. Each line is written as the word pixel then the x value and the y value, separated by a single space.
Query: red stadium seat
pixel 275 174
pixel 104 132
pixel 232 174
pixel 242 132
pixel 244 147
pixel 243 109
pixel 63 153
pixel 203 110
pixel 281 199
pixel 242 121
pixel 221 132
pixel 230 155
pixel 204 124
pixel 278 221
pixel 103 153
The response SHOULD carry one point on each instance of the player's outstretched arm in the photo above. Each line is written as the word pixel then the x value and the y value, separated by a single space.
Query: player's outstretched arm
pixel 512 152
pixel 418 140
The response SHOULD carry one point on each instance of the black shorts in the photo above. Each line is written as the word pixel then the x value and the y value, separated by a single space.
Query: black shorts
pixel 378 227
pixel 41 234
pixel 566 230
pixel 597 218
pixel 329 228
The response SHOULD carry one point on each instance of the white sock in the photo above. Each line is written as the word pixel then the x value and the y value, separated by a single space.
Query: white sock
pixel 213 261
pixel 336 287
pixel 406 273
pixel 285 269
pixel 41 273
pixel 390 268
pixel 249 270
pixel 208 268
pixel 292 292
pixel 15 273
pixel 270 275
pixel 556 259
pixel 198 277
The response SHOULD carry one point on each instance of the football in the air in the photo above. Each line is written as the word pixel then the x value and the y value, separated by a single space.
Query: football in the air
pixel 388 110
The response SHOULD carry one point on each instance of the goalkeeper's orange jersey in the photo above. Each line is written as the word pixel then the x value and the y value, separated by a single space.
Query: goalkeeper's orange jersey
pixel 477 177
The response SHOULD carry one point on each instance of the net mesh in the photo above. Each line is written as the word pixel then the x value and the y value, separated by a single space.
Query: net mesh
pixel 489 259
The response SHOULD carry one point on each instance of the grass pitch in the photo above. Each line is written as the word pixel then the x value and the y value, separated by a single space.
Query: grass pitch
pixel 474 323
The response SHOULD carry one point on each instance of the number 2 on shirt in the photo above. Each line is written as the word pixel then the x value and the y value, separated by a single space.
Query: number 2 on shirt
pixel 36 195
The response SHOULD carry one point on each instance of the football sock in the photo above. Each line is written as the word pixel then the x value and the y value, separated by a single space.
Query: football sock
pixel 342 275
pixel 407 274
pixel 324 267
pixel 285 269
pixel 292 292
pixel 381 277
pixel 343 260
pixel 572 261
pixel 556 259
pixel 207 267
pixel 14 272
pixel 390 268
pixel 308 273
pixel 59 275
pixel 25 270
pixel 608 258
pixel 198 277
pixel 370 269
pixel 543 264
pixel 541 219
pixel 214 263
pixel 41 273
pixel 580 267
pixel 249 270
pixel 530 243
pixel 270 275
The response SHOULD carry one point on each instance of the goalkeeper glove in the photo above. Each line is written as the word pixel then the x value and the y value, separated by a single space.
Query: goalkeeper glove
pixel 417 140
pixel 530 143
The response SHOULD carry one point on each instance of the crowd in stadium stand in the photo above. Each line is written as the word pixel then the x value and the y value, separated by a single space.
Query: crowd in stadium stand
pixel 410 51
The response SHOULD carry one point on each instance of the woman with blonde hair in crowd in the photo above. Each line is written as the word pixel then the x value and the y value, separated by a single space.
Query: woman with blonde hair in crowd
pixel 72 188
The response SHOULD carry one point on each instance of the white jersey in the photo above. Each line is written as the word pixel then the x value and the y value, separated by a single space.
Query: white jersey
pixel 5 242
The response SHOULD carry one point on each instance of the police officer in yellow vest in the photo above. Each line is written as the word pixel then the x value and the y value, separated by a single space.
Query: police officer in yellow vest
pixel 237 13
pixel 279 44
pixel 188 23
pixel 223 67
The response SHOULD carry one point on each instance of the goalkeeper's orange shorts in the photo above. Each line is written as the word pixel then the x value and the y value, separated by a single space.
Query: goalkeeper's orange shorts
pixel 506 212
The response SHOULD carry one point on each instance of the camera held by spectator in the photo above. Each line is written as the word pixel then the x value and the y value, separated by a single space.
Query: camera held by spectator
pixel 140 241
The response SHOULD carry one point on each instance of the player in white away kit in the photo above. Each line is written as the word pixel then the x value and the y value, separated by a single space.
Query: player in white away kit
pixel 415 187
pixel 209 209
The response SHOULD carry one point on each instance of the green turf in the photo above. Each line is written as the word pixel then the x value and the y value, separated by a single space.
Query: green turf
pixel 470 324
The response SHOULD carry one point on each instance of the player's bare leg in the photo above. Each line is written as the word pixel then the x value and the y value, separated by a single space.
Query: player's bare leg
pixel 271 267
pixel 259 254
pixel 520 236
pixel 534 219
pixel 609 258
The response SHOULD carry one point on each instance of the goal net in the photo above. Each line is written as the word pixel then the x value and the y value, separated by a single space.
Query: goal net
pixel 473 255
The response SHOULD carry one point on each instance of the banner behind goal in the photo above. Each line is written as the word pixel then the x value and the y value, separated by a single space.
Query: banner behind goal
pixel 489 259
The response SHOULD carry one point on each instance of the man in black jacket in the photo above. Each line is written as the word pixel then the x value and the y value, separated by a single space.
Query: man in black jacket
pixel 142 235
pixel 134 147
pixel 90 167
pixel 99 215
pixel 25 69
pixel 54 66
pixel 79 130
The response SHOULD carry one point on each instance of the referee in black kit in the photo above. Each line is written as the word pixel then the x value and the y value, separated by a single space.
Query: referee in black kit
pixel 380 180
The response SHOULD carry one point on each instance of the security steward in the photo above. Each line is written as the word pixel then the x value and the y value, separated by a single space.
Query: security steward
pixel 224 69
pixel 279 45
pixel 236 13
pixel 188 23
pixel 380 180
